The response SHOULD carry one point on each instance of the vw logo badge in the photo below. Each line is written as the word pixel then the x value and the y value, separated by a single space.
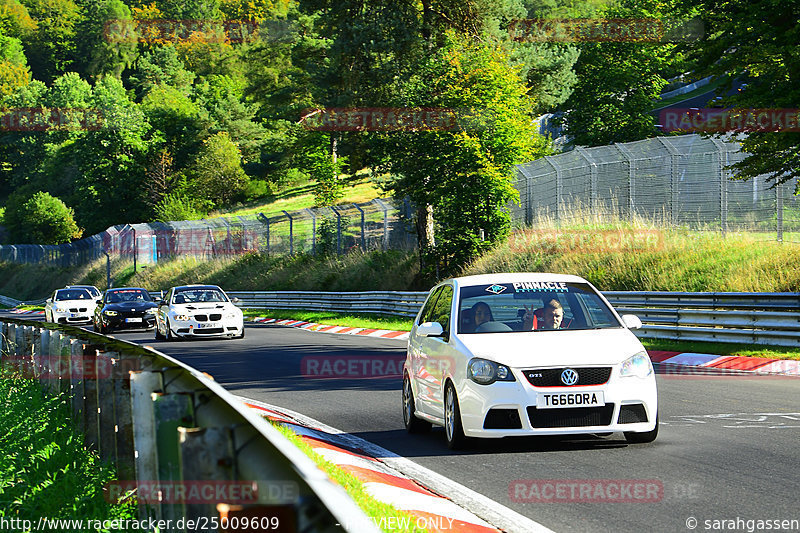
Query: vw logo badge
pixel 569 377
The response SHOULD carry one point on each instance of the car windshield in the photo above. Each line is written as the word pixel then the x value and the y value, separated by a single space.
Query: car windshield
pixel 532 306
pixel 92 290
pixel 128 295
pixel 199 296
pixel 72 294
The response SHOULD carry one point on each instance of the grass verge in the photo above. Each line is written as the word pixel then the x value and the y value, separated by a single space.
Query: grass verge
pixel 351 320
pixel 45 470
pixel 376 510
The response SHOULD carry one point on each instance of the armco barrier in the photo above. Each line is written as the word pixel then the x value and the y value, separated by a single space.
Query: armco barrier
pixel 169 426
pixel 740 317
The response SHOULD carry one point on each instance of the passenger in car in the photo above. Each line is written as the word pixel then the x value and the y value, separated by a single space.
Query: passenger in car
pixel 481 312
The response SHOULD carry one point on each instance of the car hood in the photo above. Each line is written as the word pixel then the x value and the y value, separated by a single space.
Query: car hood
pixel 554 348
pixel 130 306
pixel 210 306
pixel 75 303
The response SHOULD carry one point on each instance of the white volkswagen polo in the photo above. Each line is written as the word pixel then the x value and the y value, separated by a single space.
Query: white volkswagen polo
pixel 198 311
pixel 502 355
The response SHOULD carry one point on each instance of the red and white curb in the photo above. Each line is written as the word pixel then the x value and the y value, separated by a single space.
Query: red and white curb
pixel 27 312
pixel 758 365
pixel 401 483
pixel 343 330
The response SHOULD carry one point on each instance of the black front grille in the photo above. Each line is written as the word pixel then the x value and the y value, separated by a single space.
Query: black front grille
pixel 76 310
pixel 551 377
pixel 208 331
pixel 631 414
pixel 571 416
pixel 502 419
pixel 201 318
pixel 215 317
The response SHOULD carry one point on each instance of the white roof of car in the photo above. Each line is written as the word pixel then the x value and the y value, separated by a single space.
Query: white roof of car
pixel 511 277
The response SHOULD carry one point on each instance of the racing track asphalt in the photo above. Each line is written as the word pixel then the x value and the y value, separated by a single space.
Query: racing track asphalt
pixel 727 446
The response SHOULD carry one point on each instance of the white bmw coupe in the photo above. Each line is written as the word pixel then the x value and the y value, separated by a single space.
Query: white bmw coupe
pixel 519 354
pixel 198 311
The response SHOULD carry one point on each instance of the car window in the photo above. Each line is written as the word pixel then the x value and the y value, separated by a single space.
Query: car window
pixel 507 307
pixel 200 296
pixel 128 295
pixel 441 309
pixel 73 294
pixel 425 315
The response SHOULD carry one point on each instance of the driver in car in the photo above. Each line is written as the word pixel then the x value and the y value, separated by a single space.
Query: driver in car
pixel 548 317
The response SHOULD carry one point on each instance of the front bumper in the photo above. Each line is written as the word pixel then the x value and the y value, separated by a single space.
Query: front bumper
pixel 80 317
pixel 193 328
pixel 505 409
pixel 130 321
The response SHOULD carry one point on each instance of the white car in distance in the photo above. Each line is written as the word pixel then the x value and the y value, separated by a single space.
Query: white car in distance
pixel 198 311
pixel 70 306
pixel 504 355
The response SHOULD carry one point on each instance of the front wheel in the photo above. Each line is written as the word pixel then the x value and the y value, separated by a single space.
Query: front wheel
pixel 412 423
pixel 641 438
pixel 159 336
pixel 453 430
pixel 169 335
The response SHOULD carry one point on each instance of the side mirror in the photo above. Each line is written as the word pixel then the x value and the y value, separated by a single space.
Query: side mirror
pixel 430 329
pixel 236 300
pixel 631 321
pixel 49 301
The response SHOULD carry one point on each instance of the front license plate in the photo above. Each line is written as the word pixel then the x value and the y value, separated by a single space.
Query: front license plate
pixel 204 325
pixel 552 400
pixel 134 320
pixel 74 315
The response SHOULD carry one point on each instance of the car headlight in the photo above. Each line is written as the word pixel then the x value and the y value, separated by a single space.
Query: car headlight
pixel 638 365
pixel 59 309
pixel 232 314
pixel 485 372
pixel 182 317
pixel 111 313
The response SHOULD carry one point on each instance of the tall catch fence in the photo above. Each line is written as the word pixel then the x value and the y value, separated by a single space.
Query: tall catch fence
pixel 374 225
pixel 678 180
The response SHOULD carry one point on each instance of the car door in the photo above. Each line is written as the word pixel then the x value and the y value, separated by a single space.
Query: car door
pixel 417 355
pixel 437 353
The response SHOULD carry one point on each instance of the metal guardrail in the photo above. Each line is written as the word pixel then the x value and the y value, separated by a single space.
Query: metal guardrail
pixel 759 318
pixel 189 434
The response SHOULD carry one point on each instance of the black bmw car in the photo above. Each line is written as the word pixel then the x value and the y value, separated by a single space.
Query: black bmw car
pixel 126 307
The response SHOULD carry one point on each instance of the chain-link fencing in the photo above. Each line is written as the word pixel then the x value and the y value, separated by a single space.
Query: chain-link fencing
pixel 374 225
pixel 680 180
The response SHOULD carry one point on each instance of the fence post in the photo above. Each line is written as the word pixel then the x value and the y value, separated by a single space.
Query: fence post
pixel 363 235
pixel 592 178
pixel 143 385
pixel 631 178
pixel 313 230
pixel 385 209
pixel 338 231
pixel 170 412
pixel 673 178
pixel 206 454
pixel 265 220
pixel 559 186
pixel 291 232
pixel 723 186
pixel 779 206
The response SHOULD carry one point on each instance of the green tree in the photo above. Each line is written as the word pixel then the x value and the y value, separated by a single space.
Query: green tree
pixel 758 41
pixel 619 81
pixel 15 21
pixel 99 51
pixel 51 49
pixel 161 66
pixel 219 176
pixel 461 179
pixel 40 219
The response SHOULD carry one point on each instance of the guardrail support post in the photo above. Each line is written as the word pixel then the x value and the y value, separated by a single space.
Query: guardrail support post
pixel 170 412
pixel 143 385
pixel 77 379
pixel 205 454
pixel 121 379
pixel 90 402
pixel 105 403
pixel 49 361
